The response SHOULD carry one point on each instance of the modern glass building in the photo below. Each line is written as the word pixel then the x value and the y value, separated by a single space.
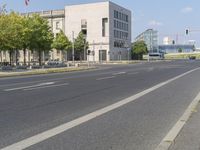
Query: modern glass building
pixel 150 37
pixel 176 48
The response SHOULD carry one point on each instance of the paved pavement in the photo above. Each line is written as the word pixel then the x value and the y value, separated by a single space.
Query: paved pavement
pixel 31 105
pixel 189 138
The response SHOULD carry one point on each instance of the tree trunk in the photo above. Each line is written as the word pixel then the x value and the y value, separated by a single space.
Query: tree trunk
pixel 10 55
pixel 16 57
pixel 66 57
pixel 61 55
pixel 40 58
pixel 29 58
pixel 24 50
pixel 1 57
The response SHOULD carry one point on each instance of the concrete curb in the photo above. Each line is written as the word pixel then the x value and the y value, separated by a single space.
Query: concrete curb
pixel 169 139
pixel 45 71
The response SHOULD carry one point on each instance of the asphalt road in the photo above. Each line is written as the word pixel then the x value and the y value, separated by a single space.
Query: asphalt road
pixel 34 104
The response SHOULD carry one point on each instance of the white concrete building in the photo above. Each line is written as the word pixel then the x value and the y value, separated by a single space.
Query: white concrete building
pixel 167 41
pixel 107 28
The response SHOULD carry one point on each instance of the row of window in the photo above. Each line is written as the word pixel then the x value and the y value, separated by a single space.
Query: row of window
pixel 120 16
pixel 119 44
pixel 120 25
pixel 120 34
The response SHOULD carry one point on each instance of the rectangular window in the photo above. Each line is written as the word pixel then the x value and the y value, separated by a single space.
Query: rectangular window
pixel 104 26
pixel 126 18
pixel 83 24
pixel 115 14
pixel 57 25
pixel 115 24
pixel 120 16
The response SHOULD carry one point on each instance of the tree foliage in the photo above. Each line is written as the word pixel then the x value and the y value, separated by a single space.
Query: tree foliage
pixel 180 50
pixel 138 49
pixel 21 33
pixel 80 44
pixel 62 43
pixel 41 37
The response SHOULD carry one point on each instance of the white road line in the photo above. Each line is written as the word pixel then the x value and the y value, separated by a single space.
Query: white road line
pixel 64 127
pixel 32 86
pixel 105 78
pixel 43 87
pixel 176 129
pixel 119 73
pixel 132 73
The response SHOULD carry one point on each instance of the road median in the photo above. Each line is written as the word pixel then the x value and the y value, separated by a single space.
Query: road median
pixel 43 71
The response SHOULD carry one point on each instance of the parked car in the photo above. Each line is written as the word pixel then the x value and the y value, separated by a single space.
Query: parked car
pixel 192 57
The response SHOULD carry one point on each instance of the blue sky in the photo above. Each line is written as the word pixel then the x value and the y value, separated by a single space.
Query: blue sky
pixel 169 17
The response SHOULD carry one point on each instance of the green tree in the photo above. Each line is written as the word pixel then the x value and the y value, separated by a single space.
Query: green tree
pixel 26 34
pixel 2 31
pixel 41 37
pixel 80 45
pixel 138 49
pixel 11 34
pixel 62 43
pixel 180 50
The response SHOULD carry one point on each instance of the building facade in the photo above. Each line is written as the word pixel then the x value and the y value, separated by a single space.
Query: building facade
pixel 176 48
pixel 106 26
pixel 167 41
pixel 56 19
pixel 150 37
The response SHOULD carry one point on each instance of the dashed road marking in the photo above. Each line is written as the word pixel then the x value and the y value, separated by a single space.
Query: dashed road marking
pixel 32 86
pixel 66 126
pixel 105 78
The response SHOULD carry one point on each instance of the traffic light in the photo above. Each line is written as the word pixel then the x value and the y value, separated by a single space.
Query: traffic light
pixel 187 31
pixel 89 51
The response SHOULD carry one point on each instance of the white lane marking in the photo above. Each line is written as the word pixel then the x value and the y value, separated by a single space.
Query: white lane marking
pixel 105 78
pixel 43 87
pixel 32 86
pixel 66 126
pixel 119 73
pixel 176 129
pixel 132 73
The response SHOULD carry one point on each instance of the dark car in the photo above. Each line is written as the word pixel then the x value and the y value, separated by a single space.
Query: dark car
pixel 192 58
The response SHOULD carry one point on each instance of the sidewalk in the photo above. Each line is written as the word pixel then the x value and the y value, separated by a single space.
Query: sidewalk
pixel 189 137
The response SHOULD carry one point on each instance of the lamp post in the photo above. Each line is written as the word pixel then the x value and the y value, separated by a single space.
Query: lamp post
pixel 101 53
pixel 128 51
pixel 73 48
pixel 93 52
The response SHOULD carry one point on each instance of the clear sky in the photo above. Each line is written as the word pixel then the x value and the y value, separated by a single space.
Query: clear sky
pixel 169 17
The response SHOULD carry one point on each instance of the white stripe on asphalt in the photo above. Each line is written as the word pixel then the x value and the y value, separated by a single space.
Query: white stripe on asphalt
pixel 132 73
pixel 105 78
pixel 32 86
pixel 64 127
pixel 118 73
pixel 43 87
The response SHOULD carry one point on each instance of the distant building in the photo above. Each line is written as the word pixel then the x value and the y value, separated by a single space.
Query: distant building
pixel 167 41
pixel 107 28
pixel 56 19
pixel 150 37
pixel 176 48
